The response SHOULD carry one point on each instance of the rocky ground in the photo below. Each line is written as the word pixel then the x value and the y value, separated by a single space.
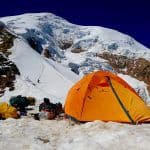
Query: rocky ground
pixel 8 70
pixel 137 68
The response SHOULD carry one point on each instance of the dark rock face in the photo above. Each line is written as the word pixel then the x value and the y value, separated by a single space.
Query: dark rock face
pixel 137 68
pixel 64 44
pixel 34 44
pixel 77 50
pixel 47 53
pixel 6 41
pixel 8 70
pixel 74 67
pixel 2 26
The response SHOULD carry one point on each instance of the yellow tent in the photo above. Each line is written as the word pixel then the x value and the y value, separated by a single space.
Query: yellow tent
pixel 104 96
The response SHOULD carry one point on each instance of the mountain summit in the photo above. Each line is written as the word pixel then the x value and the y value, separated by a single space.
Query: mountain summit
pixel 43 41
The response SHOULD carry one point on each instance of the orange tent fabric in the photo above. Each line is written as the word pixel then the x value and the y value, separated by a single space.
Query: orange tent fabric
pixel 104 96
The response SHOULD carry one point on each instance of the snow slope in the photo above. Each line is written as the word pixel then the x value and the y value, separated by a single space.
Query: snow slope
pixel 39 77
pixel 139 86
pixel 48 29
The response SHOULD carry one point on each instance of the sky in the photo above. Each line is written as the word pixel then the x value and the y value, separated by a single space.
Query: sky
pixel 128 16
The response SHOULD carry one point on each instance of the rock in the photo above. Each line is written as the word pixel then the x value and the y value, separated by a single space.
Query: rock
pixel 137 68
pixel 2 25
pixel 8 70
pixel 47 53
pixel 78 50
pixel 65 44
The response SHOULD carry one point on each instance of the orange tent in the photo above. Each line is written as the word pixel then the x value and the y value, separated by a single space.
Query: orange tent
pixel 104 96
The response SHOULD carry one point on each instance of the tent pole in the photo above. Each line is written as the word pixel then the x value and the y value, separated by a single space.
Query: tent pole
pixel 120 102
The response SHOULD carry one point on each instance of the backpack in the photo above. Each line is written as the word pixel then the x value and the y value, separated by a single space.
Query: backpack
pixel 8 111
pixel 19 101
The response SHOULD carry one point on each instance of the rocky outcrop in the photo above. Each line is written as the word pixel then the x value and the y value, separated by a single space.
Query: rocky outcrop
pixel 2 26
pixel 6 41
pixel 137 68
pixel 8 70
pixel 47 53
pixel 65 44
pixel 78 50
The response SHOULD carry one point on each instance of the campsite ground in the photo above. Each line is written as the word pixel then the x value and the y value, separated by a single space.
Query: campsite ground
pixel 29 134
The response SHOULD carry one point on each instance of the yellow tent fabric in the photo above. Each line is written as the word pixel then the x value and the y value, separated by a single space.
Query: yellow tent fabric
pixel 104 96
pixel 8 111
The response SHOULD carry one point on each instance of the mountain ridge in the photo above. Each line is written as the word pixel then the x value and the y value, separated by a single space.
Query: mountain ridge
pixel 80 49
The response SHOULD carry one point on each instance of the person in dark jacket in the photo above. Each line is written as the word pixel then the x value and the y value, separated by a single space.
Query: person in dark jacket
pixel 48 108
pixel 46 105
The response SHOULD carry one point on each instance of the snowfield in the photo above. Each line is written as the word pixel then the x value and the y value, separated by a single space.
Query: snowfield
pixel 139 86
pixel 40 77
pixel 29 134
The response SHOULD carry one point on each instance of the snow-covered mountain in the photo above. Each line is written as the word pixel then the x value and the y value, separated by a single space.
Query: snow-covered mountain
pixel 69 47
pixel 24 71
pixel 48 30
